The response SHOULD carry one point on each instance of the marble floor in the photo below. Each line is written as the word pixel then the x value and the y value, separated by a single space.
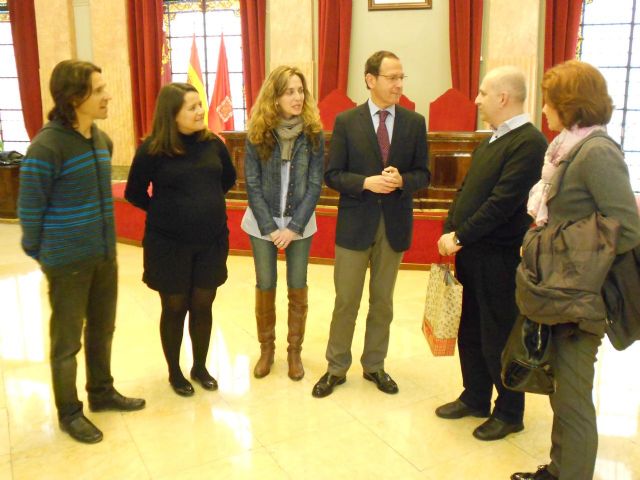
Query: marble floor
pixel 271 428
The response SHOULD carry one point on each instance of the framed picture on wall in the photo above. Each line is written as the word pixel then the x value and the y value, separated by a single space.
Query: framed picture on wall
pixel 398 4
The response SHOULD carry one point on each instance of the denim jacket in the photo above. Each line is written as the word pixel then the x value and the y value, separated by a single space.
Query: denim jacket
pixel 264 189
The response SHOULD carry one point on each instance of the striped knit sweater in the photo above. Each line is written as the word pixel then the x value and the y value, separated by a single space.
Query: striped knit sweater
pixel 65 204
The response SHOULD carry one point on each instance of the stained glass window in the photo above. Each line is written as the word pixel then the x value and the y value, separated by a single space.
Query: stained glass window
pixel 207 20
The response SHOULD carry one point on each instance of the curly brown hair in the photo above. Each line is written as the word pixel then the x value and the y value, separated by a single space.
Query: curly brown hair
pixel 265 115
pixel 578 92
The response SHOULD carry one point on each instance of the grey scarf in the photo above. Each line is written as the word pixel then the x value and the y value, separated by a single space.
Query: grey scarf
pixel 288 130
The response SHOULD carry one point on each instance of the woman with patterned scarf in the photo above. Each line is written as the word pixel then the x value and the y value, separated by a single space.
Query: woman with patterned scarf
pixel 283 166
pixel 584 173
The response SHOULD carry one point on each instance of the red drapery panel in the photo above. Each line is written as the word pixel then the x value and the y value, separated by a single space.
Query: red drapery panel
pixel 252 19
pixel 165 69
pixel 333 46
pixel 145 52
pixel 560 37
pixel 25 45
pixel 561 31
pixel 465 37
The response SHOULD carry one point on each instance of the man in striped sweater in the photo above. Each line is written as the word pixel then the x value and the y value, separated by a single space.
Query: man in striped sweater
pixel 66 213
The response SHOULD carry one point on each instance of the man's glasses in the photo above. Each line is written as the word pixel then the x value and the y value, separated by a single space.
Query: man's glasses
pixel 393 78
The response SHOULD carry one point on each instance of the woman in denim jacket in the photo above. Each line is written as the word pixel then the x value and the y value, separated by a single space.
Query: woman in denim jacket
pixel 283 166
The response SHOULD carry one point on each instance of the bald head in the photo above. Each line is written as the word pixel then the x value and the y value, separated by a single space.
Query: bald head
pixel 502 95
pixel 508 80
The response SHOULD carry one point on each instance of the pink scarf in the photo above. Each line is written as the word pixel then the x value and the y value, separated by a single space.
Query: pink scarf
pixel 559 147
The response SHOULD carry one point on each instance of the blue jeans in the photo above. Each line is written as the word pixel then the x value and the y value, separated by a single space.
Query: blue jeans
pixel 265 256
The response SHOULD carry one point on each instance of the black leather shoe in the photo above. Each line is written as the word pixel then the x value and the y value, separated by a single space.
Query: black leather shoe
pixel 81 429
pixel 182 387
pixel 495 429
pixel 541 474
pixel 115 401
pixel 205 380
pixel 459 409
pixel 383 380
pixel 325 385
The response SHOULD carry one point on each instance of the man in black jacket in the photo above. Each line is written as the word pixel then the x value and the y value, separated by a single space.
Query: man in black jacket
pixel 378 158
pixel 485 227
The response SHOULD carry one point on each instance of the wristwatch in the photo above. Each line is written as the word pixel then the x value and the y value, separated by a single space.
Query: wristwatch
pixel 456 240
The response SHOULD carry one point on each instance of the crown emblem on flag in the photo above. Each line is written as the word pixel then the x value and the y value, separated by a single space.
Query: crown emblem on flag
pixel 225 109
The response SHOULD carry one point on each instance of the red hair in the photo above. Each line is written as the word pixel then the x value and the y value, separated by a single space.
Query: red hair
pixel 578 92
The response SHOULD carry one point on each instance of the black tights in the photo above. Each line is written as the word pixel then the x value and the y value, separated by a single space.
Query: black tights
pixel 174 311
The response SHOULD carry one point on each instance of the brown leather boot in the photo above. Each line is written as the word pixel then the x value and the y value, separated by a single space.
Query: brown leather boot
pixel 266 320
pixel 298 307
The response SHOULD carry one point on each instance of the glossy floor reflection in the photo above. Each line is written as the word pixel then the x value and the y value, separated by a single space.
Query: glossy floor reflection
pixel 271 428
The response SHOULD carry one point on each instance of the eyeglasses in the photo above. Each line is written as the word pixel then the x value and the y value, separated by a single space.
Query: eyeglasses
pixel 393 78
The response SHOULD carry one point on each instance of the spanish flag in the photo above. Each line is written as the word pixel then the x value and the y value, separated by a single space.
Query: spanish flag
pixel 221 108
pixel 194 76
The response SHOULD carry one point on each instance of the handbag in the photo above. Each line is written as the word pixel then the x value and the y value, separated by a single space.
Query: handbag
pixel 526 365
pixel 10 158
pixel 442 309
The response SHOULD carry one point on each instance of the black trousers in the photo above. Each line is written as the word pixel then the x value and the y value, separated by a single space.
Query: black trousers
pixel 487 273
pixel 86 290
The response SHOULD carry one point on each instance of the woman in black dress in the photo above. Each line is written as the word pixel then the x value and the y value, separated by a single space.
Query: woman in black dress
pixel 186 240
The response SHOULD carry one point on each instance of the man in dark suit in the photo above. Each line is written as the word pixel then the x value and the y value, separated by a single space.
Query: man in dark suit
pixel 485 227
pixel 377 159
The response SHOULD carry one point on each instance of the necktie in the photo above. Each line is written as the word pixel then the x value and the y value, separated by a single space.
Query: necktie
pixel 383 136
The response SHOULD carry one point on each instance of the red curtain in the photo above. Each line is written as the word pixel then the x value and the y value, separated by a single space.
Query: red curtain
pixel 165 73
pixel 560 37
pixel 252 18
pixel 465 38
pixel 25 45
pixel 334 43
pixel 145 52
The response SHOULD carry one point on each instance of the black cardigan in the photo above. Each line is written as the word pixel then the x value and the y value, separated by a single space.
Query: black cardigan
pixel 491 204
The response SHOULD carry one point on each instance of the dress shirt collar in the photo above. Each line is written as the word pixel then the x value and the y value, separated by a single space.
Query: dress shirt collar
pixel 373 109
pixel 511 124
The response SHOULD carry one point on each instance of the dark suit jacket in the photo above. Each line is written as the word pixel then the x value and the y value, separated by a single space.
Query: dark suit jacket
pixel 354 155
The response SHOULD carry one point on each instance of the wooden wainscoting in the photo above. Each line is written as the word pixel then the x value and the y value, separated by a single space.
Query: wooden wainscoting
pixel 449 161
pixel 9 187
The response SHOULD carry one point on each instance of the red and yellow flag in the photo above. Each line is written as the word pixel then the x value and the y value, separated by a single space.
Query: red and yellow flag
pixel 194 76
pixel 221 108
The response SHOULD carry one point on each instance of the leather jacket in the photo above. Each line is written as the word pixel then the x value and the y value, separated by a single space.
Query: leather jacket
pixel 563 268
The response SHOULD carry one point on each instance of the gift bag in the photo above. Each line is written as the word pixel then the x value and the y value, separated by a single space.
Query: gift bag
pixel 442 310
